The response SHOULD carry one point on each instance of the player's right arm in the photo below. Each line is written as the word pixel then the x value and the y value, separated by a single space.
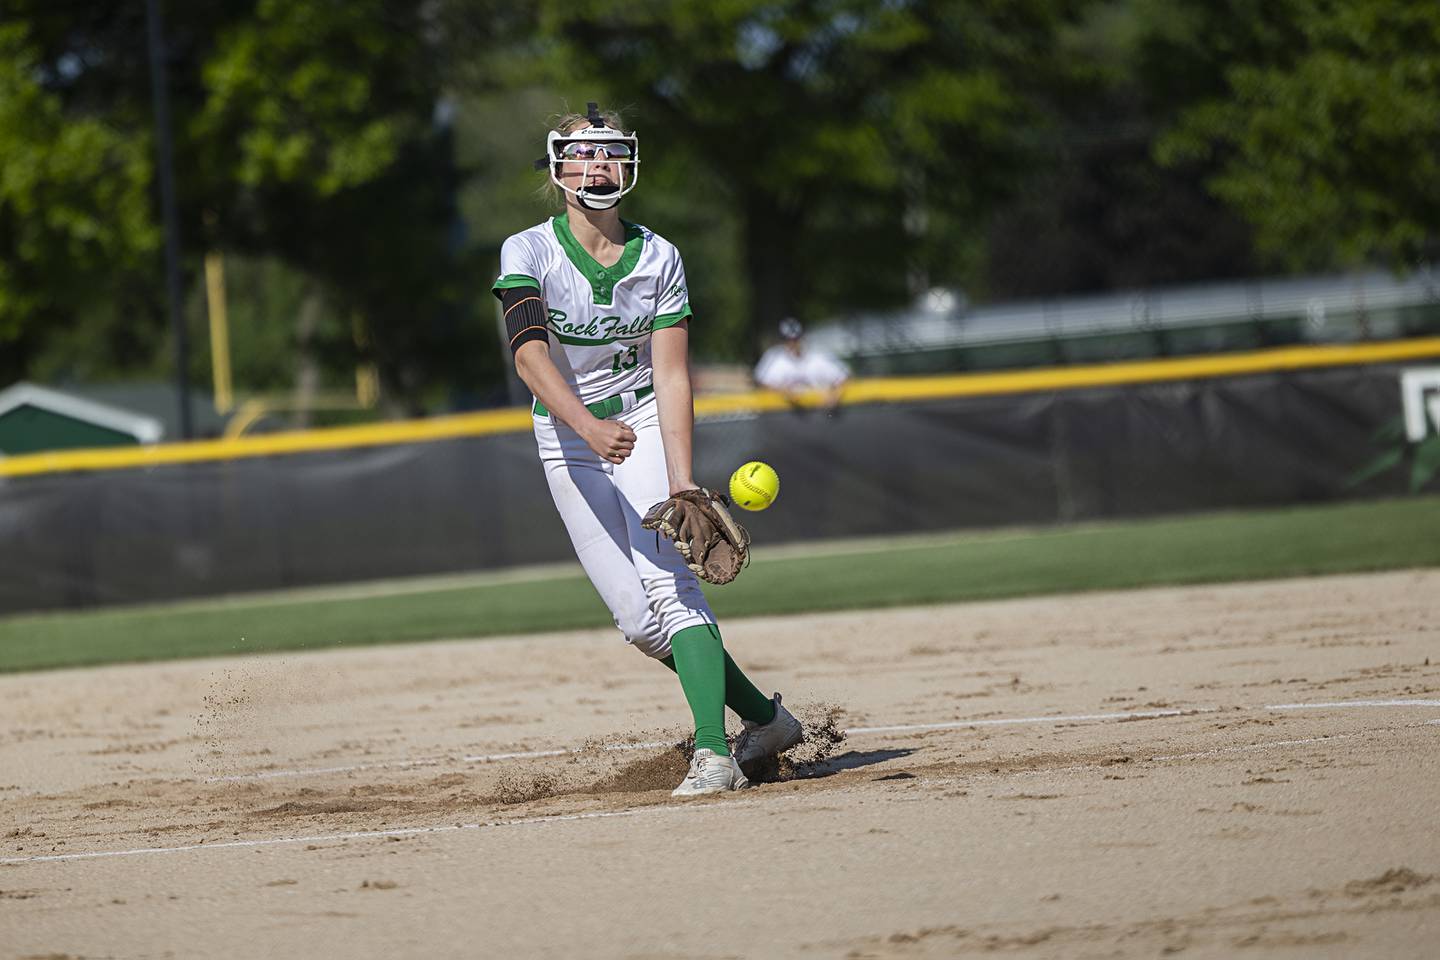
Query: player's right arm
pixel 611 439
pixel 523 303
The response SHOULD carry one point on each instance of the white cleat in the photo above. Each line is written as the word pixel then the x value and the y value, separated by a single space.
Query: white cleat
pixel 761 740
pixel 710 773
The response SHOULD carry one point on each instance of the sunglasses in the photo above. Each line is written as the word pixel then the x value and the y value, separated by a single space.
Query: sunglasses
pixel 584 150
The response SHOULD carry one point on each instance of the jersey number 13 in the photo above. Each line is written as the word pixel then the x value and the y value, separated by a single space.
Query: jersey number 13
pixel 629 360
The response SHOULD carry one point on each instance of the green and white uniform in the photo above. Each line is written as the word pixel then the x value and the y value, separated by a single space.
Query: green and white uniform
pixel 600 320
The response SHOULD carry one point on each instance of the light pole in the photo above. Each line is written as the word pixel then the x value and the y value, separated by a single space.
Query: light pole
pixel 164 168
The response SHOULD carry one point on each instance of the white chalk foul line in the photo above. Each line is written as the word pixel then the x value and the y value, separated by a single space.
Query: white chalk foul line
pixel 491 757
pixel 654 744
pixel 273 774
pixel 435 761
pixel 858 731
pixel 319 838
pixel 1347 704
pixel 602 814
pixel 1013 721
pixel 852 732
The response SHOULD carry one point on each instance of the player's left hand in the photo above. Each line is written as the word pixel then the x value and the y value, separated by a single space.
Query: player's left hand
pixel 714 546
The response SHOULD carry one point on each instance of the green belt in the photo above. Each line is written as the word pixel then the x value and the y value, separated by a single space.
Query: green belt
pixel 602 408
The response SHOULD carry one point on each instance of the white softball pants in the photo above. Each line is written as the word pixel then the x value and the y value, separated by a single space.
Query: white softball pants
pixel 650 592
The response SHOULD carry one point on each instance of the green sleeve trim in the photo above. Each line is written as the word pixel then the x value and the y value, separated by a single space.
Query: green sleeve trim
pixel 512 280
pixel 670 319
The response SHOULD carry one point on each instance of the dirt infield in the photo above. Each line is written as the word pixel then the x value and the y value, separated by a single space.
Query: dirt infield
pixel 1246 770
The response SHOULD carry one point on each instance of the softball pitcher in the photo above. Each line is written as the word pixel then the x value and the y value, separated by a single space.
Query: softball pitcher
pixel 598 317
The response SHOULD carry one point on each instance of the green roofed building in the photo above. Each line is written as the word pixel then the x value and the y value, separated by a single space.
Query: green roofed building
pixel 34 419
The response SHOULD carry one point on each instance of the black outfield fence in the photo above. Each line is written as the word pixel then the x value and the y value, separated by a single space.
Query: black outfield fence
pixel 471 503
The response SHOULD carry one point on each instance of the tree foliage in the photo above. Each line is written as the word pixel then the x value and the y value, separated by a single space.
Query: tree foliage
pixel 1326 132
pixel 827 127
pixel 74 201
pixel 363 160
pixel 304 132
pixel 305 94
pixel 1098 213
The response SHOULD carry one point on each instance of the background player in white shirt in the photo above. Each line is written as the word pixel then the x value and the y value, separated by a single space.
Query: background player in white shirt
pixel 794 368
pixel 598 316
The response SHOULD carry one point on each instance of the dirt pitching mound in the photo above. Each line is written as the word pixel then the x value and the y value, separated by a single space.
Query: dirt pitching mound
pixel 661 770
pixel 665 768
pixel 822 735
pixel 520 787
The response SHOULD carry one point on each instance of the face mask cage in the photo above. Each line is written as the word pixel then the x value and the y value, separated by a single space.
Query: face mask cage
pixel 627 169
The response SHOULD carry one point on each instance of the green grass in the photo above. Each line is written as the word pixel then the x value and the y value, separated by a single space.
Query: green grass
pixel 1199 549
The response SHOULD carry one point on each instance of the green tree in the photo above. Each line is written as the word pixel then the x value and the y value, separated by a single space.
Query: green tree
pixel 1325 133
pixel 305 132
pixel 827 129
pixel 74 205
pixel 321 142
pixel 1100 213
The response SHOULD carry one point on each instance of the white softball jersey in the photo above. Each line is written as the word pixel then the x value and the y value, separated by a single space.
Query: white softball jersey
pixel 600 322
pixel 600 318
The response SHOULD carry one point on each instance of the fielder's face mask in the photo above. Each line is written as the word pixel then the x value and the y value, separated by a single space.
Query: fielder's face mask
pixel 596 143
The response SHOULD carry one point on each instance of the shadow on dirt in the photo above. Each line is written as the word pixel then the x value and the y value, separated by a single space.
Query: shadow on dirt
pixel 852 760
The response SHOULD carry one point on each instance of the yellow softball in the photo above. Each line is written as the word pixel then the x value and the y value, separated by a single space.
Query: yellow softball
pixel 754 486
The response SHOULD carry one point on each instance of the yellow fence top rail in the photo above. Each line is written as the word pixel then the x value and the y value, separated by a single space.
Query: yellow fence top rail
pixel 869 390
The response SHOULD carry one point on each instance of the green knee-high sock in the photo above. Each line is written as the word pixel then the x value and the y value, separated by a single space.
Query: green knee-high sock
pixel 699 661
pixel 744 697
pixel 741 695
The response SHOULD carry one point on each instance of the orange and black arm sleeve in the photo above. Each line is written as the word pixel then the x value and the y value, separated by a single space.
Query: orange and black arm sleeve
pixel 524 315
